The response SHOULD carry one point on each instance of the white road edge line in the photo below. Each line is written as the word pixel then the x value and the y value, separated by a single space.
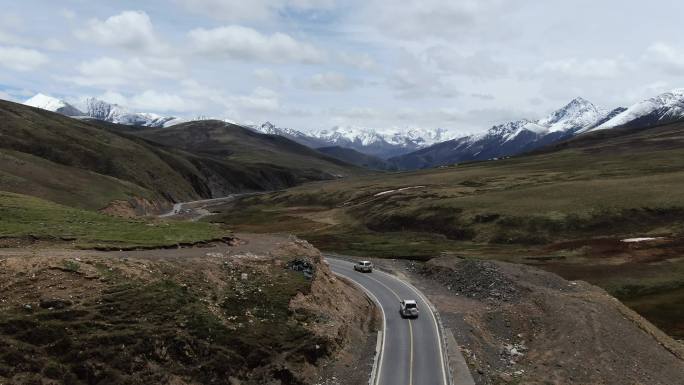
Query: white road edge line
pixel 433 309
pixel 377 364
pixel 409 323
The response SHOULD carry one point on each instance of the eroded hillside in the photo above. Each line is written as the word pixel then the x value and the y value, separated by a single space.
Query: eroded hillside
pixel 223 315
pixel 516 324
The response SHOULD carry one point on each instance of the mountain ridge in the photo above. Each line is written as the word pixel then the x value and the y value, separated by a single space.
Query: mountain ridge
pixel 413 148
pixel 507 139
pixel 382 144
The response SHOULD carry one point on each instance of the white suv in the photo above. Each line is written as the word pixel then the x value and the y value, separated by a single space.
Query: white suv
pixel 408 308
pixel 364 266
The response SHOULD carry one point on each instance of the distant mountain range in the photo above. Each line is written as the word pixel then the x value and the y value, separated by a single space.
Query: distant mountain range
pixel 368 141
pixel 664 108
pixel 101 110
pixel 381 144
pixel 509 138
pixel 512 138
pixel 422 148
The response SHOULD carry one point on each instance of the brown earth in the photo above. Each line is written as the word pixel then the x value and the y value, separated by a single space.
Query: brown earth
pixel 134 207
pixel 517 324
pixel 221 315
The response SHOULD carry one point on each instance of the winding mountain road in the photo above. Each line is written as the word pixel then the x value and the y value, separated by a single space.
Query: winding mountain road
pixel 412 351
pixel 196 210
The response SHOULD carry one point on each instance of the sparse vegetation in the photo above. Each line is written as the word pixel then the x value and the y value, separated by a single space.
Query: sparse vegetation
pixel 545 209
pixel 33 219
pixel 89 164
pixel 202 319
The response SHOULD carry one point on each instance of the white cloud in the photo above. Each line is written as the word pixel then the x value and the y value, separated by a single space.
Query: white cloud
pixel 254 10
pixel 425 19
pixel 68 14
pixel 588 68
pixel 260 100
pixel 330 81
pixel 114 97
pixel 107 71
pixel 268 77
pixel 482 96
pixel 667 57
pixel 21 59
pixel 151 100
pixel 242 43
pixel 9 38
pixel 419 83
pixel 132 30
pixel 479 64
pixel 362 61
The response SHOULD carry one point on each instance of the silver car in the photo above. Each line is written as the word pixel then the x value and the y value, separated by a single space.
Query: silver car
pixel 364 266
pixel 408 308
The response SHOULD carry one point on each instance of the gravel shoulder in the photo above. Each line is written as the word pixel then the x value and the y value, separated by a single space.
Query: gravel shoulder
pixel 517 324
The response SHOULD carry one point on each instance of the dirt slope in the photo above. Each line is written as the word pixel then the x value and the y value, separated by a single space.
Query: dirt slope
pixel 221 315
pixel 520 325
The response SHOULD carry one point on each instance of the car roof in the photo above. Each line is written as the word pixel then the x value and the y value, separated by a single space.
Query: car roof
pixel 364 261
pixel 407 301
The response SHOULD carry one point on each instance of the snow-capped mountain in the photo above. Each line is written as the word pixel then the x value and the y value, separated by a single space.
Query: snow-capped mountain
pixel 664 108
pixel 501 140
pixel 101 110
pixel 114 113
pixel 271 129
pixel 509 138
pixel 298 136
pixel 575 116
pixel 383 144
pixel 407 138
pixel 53 104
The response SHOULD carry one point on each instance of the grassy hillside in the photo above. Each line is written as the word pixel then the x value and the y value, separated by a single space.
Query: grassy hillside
pixel 89 164
pixel 354 157
pixel 85 146
pixel 25 219
pixel 566 209
pixel 235 143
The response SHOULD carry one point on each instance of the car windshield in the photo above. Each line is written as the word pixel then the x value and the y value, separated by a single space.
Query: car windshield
pixel 410 305
pixel 364 263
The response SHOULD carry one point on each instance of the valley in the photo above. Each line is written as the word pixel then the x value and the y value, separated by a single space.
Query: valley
pixel 198 264
pixel 566 209
pixel 377 192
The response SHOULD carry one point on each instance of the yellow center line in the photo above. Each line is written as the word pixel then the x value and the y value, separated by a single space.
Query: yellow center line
pixel 410 331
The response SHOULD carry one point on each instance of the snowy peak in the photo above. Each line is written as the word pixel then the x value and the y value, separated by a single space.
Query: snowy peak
pixel 663 108
pixel 270 129
pixel 413 137
pixel 510 130
pixel 50 103
pixel 101 110
pixel 341 135
pixel 575 116
pixel 114 113
pixel 384 144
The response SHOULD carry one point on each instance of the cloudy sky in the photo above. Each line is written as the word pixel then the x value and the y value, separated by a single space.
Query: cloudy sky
pixel 311 64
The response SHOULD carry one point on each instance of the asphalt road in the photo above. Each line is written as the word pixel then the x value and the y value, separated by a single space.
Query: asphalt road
pixel 196 210
pixel 412 352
